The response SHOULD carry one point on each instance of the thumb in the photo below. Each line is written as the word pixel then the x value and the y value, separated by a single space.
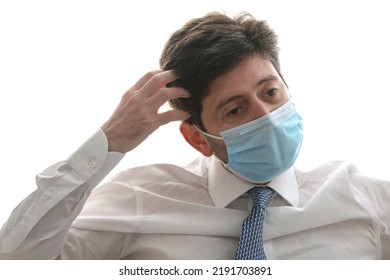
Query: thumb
pixel 173 115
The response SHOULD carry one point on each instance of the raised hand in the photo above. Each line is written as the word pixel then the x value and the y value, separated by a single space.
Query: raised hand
pixel 137 116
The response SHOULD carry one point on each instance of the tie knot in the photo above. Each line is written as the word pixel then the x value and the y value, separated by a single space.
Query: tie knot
pixel 261 196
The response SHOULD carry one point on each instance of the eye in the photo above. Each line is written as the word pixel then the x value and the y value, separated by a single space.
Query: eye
pixel 234 112
pixel 272 92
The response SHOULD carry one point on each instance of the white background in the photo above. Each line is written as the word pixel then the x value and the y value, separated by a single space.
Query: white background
pixel 64 66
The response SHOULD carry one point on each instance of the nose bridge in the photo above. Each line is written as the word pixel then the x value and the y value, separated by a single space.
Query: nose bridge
pixel 260 108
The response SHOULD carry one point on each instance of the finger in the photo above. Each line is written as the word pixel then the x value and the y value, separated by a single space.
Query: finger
pixel 172 115
pixel 165 94
pixel 157 81
pixel 141 82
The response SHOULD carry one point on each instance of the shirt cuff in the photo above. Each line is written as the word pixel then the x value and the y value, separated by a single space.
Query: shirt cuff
pixel 93 155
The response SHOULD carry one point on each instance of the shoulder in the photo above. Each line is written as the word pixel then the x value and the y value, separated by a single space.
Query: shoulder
pixel 146 195
pixel 196 171
pixel 337 168
pixel 344 173
pixel 325 171
pixel 157 180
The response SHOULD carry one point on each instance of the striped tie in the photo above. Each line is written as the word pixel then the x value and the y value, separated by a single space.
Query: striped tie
pixel 250 246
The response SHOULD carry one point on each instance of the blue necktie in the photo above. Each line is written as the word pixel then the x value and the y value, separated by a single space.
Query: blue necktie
pixel 250 246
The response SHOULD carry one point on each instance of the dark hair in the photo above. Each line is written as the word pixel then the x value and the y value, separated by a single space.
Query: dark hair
pixel 206 47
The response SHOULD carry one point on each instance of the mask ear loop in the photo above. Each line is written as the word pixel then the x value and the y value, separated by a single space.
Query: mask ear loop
pixel 215 137
pixel 208 134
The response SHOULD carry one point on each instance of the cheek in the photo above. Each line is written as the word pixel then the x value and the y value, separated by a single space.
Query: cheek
pixel 219 149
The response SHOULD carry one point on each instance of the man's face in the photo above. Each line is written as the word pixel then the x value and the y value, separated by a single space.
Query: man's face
pixel 251 90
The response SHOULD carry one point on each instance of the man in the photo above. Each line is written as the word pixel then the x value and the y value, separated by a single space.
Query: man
pixel 222 76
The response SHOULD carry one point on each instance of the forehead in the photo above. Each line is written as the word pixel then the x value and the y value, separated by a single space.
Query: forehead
pixel 242 78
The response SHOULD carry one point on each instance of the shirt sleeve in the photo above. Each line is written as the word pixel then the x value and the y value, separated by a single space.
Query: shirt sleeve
pixel 37 227
pixel 374 194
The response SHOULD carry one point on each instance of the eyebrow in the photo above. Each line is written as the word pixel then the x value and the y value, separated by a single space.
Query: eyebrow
pixel 225 101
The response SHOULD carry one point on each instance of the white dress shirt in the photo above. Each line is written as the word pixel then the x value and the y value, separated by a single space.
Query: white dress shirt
pixel 164 211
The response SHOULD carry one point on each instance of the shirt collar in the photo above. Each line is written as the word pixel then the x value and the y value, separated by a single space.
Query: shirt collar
pixel 225 187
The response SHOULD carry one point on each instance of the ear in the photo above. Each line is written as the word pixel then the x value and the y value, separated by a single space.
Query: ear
pixel 195 139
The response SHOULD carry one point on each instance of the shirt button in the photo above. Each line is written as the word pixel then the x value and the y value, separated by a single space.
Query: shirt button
pixel 92 163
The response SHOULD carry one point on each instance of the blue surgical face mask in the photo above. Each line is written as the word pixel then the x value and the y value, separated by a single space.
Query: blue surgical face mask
pixel 262 149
